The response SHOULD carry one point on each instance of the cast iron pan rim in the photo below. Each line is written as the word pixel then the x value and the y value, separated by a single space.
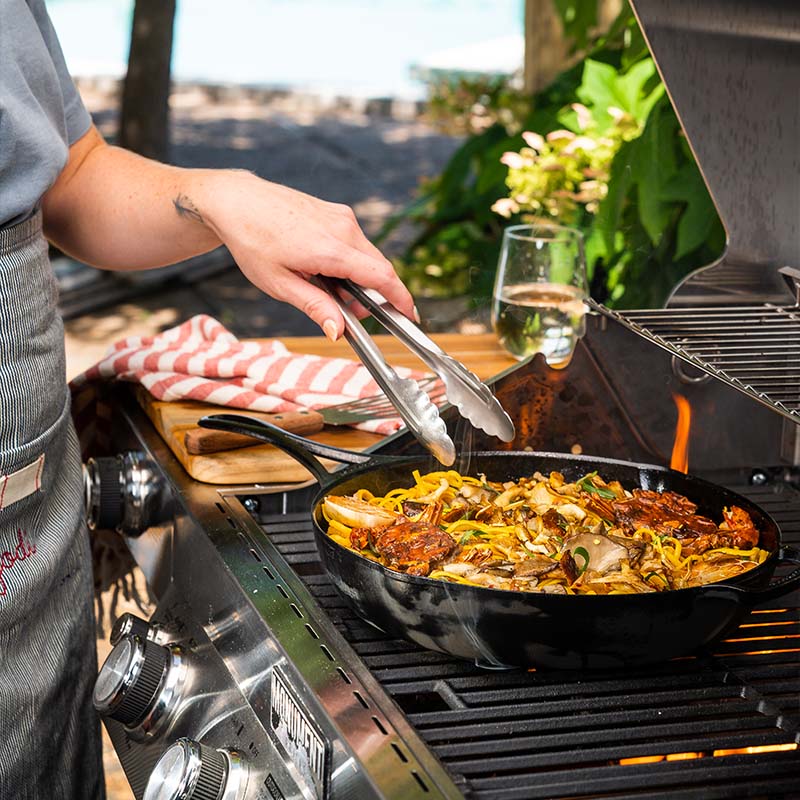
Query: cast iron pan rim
pixel 422 581
pixel 340 475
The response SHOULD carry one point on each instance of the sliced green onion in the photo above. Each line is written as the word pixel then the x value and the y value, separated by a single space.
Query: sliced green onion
pixel 467 535
pixel 606 494
pixel 587 484
pixel 584 554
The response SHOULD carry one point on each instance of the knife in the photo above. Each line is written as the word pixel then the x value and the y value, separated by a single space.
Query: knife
pixel 202 441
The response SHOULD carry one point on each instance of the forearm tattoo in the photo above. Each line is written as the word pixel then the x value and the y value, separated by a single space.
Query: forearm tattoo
pixel 186 208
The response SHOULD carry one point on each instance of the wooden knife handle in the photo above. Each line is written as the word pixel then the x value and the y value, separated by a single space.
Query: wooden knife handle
pixel 201 441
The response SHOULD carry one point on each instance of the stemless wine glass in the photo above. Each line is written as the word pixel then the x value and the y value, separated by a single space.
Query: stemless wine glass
pixel 537 303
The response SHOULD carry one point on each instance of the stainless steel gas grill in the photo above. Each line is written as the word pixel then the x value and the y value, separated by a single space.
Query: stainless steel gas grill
pixel 267 663
pixel 255 679
pixel 698 728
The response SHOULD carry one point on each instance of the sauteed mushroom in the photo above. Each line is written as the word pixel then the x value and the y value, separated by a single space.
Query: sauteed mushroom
pixel 544 534
pixel 595 551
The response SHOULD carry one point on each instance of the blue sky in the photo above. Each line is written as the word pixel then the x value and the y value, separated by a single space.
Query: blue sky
pixel 347 46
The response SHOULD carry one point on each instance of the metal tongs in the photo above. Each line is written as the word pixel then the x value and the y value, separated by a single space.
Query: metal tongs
pixel 464 390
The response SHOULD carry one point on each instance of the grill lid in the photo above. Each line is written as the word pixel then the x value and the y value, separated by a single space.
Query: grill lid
pixel 730 69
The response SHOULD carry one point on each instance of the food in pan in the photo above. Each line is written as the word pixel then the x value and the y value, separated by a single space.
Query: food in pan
pixel 545 534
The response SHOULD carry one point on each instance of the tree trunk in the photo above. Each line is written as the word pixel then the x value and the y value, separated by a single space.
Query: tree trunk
pixel 547 51
pixel 546 48
pixel 144 117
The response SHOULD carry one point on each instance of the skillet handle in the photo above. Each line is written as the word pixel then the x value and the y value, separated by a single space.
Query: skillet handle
pixel 301 449
pixel 786 555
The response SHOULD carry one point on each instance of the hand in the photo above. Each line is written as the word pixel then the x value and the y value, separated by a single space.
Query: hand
pixel 280 237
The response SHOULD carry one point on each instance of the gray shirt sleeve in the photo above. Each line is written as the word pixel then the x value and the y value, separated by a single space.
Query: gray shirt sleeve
pixel 77 117
pixel 41 113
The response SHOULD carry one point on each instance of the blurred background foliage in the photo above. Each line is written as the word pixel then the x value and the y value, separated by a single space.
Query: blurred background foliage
pixel 599 148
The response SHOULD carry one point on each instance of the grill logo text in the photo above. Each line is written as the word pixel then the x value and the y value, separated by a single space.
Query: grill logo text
pixel 299 737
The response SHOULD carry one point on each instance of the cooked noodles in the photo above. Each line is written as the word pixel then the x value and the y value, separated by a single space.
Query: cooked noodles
pixel 545 534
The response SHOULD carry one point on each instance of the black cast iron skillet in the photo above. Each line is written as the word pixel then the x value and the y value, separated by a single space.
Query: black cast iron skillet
pixel 501 628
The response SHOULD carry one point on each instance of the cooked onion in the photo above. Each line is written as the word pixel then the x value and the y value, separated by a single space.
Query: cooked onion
pixel 545 535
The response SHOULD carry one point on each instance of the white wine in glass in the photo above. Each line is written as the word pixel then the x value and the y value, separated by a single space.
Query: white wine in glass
pixel 538 301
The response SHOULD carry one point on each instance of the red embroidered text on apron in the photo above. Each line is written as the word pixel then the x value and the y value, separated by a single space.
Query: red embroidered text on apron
pixel 9 559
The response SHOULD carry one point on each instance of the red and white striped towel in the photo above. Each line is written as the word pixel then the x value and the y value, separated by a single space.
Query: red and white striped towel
pixel 202 360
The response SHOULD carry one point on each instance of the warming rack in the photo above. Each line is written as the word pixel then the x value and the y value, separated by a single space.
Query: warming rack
pixel 753 348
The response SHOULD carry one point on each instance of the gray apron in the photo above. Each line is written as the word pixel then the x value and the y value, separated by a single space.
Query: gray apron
pixel 49 732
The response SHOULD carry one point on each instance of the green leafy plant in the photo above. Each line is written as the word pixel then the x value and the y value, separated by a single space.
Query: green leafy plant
pixel 564 175
pixel 471 104
pixel 601 149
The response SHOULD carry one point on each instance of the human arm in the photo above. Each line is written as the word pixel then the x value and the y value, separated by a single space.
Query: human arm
pixel 114 209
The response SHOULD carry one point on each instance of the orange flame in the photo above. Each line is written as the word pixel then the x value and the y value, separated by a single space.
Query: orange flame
pixel 763 748
pixel 680 448
pixel 684 756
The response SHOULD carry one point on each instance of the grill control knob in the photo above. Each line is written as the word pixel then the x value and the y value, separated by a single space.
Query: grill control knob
pixel 131 625
pixel 189 770
pixel 138 683
pixel 103 495
pixel 125 492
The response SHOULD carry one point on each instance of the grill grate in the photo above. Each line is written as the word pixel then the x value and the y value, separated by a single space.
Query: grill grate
pixel 752 348
pixel 659 732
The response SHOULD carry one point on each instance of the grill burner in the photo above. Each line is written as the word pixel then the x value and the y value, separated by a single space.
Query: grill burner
pixel 656 732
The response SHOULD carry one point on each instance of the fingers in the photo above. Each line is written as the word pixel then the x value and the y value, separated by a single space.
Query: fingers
pixel 313 301
pixel 353 304
pixel 371 268
pixel 371 272
pixel 281 237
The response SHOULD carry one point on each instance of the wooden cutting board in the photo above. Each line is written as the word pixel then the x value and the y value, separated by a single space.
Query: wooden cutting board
pixel 267 464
